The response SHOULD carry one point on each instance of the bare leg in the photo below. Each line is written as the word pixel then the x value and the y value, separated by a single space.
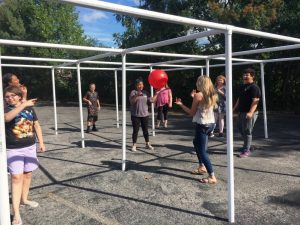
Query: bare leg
pixel 221 122
pixel 158 124
pixel 25 189
pixel 166 123
pixel 16 186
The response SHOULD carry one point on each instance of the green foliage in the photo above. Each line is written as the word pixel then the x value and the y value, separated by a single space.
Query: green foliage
pixel 55 22
pixel 43 21
pixel 275 16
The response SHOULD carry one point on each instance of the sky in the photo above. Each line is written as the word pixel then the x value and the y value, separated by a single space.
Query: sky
pixel 101 25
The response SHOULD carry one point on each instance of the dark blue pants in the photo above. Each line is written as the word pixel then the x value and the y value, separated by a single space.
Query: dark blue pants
pixel 200 144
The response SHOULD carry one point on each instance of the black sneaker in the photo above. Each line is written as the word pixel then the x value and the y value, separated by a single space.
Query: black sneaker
pixel 94 129
pixel 88 131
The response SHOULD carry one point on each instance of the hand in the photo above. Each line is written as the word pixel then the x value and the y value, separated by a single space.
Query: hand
pixel 23 89
pixel 193 93
pixel 30 102
pixel 178 101
pixel 249 115
pixel 170 105
pixel 98 108
pixel 42 147
pixel 90 103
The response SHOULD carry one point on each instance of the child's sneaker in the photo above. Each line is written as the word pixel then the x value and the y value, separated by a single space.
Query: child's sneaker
pixel 245 154
pixel 211 134
pixel 133 148
pixel 148 146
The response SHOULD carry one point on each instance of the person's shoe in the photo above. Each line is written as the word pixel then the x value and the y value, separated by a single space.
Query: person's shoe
pixel 211 134
pixel 32 204
pixel 157 125
pixel 148 146
pixel 17 221
pixel 221 135
pixel 94 129
pixel 245 154
pixel 87 130
pixel 133 148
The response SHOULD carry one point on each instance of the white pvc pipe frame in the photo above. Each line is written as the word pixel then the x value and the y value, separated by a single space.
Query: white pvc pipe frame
pixel 180 20
pixel 187 67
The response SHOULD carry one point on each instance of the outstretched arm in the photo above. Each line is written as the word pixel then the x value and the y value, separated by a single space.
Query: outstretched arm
pixel 196 100
pixel 9 116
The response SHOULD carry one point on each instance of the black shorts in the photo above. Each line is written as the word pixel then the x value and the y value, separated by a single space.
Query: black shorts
pixel 92 118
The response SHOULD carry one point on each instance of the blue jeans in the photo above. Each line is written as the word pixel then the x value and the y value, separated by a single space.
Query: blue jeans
pixel 246 127
pixel 200 144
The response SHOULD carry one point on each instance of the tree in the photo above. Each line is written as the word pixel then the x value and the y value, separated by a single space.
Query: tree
pixel 43 21
pixel 275 16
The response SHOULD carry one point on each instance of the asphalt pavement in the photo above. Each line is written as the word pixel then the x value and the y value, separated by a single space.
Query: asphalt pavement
pixel 86 186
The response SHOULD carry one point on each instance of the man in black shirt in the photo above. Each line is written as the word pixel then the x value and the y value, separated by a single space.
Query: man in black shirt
pixel 249 96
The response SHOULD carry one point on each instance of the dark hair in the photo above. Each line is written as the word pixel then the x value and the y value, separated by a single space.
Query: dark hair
pixel 137 81
pixel 6 79
pixel 13 89
pixel 251 71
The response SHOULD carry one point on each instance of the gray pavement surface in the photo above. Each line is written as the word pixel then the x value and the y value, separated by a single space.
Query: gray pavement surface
pixel 86 186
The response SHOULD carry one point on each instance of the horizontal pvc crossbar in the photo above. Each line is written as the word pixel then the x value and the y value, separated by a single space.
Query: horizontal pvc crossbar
pixel 142 13
pixel 91 62
pixel 243 63
pixel 67 67
pixel 88 48
pixel 149 53
pixel 181 67
pixel 257 51
pixel 148 46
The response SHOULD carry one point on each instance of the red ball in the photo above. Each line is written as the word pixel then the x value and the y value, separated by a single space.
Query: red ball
pixel 158 79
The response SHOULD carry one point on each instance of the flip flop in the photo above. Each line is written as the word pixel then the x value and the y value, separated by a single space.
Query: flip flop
pixel 31 204
pixel 207 180
pixel 198 171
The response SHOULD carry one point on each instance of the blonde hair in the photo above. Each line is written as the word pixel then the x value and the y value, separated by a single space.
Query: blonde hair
pixel 206 87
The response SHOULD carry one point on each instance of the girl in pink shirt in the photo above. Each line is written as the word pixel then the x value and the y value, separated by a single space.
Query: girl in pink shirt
pixel 163 100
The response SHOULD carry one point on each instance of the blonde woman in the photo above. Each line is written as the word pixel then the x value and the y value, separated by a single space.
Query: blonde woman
pixel 203 115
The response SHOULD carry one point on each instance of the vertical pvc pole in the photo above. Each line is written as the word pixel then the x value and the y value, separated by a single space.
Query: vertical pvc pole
pixel 123 112
pixel 152 109
pixel 229 131
pixel 207 67
pixel 202 71
pixel 4 193
pixel 262 72
pixel 54 100
pixel 117 97
pixel 80 105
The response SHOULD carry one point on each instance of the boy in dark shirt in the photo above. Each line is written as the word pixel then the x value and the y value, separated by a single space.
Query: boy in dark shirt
pixel 249 96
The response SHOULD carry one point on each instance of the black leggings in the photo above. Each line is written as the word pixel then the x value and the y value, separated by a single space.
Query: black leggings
pixel 136 121
pixel 162 112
